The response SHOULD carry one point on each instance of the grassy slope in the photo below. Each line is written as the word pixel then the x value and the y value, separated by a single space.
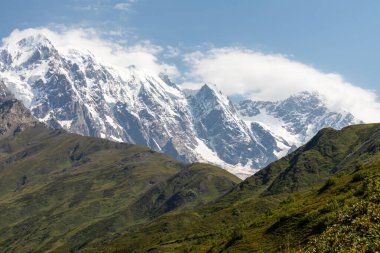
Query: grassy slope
pixel 61 192
pixel 324 196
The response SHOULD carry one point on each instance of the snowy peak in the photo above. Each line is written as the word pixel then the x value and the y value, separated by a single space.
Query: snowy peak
pixel 165 78
pixel 294 120
pixel 210 102
pixel 33 42
pixel 210 93
pixel 209 99
pixel 219 126
pixel 28 51
pixel 77 92
pixel 302 102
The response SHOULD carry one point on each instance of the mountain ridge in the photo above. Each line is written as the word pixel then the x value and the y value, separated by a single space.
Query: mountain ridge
pixel 75 91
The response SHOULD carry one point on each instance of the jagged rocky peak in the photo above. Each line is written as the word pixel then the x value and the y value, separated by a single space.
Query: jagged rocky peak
pixel 209 107
pixel 295 120
pixel 167 80
pixel 35 41
pixel 304 102
pixel 209 91
pixel 5 94
pixel 13 114
pixel 208 99
pixel 28 50
pixel 218 124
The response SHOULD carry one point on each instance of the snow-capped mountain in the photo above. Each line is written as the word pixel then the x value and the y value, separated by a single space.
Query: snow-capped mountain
pixel 295 120
pixel 218 123
pixel 76 91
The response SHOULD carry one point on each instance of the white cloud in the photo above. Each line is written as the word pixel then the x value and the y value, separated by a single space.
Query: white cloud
pixel 238 71
pixel 86 8
pixel 143 55
pixel 172 52
pixel 124 6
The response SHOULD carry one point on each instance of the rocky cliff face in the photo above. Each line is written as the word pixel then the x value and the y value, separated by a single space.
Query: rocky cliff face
pixel 14 117
pixel 218 123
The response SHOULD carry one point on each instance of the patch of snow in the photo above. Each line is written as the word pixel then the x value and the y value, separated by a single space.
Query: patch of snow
pixel 205 154
pixel 18 88
pixel 114 138
pixel 275 125
pixel 65 124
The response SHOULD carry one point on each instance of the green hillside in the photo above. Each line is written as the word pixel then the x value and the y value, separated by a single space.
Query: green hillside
pixel 324 197
pixel 60 192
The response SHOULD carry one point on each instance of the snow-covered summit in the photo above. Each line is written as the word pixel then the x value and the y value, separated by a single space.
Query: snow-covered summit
pixel 28 50
pixel 295 120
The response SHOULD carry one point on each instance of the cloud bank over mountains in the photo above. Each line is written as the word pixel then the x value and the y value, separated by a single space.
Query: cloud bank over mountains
pixel 238 71
pixel 143 55
pixel 234 70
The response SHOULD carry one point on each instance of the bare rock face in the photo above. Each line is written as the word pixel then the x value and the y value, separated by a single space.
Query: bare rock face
pixel 14 117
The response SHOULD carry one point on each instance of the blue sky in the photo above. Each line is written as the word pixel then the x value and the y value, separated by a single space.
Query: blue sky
pixel 340 36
